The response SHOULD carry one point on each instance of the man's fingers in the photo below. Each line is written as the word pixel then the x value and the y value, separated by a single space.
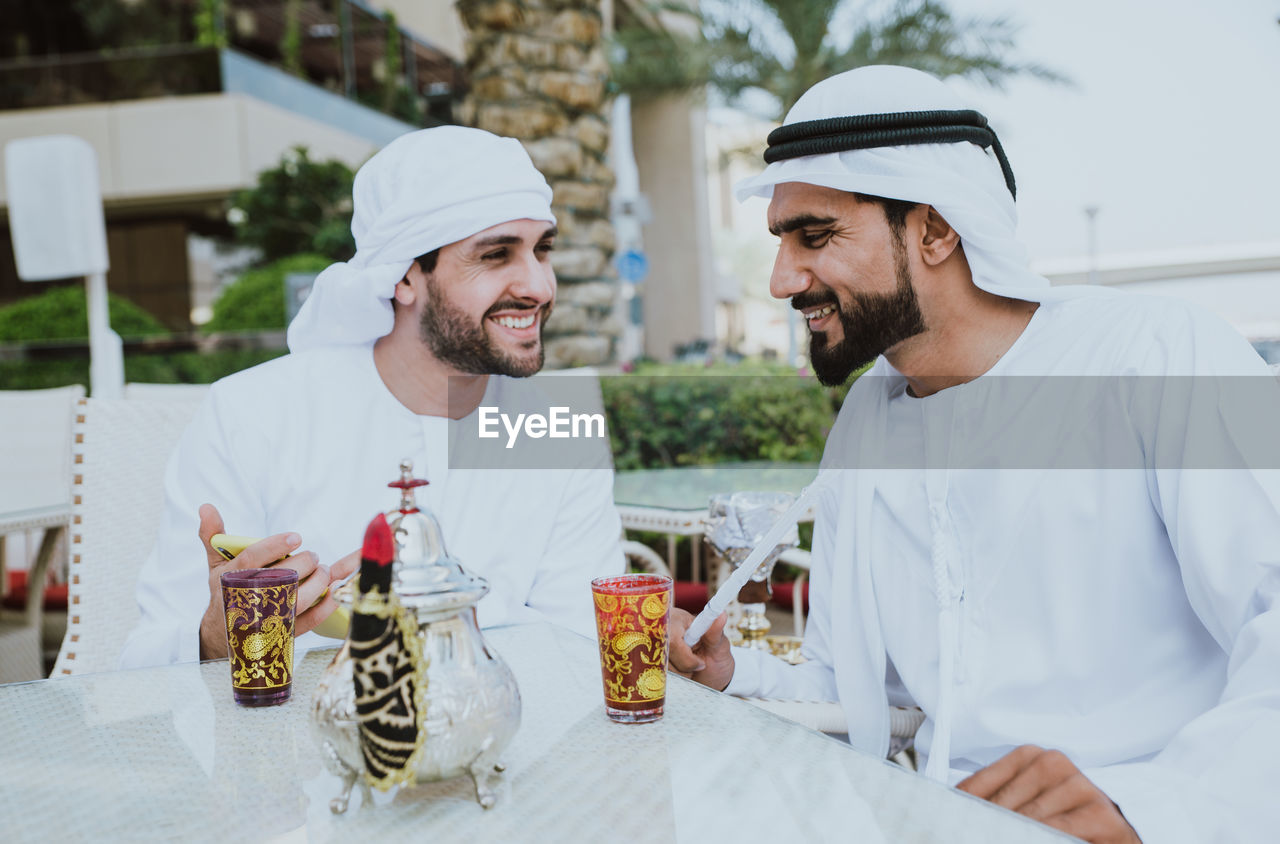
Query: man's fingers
pixel 990 779
pixel 308 620
pixel 210 525
pixel 715 632
pixel 1040 774
pixel 316 583
pixel 264 552
pixel 1047 786
pixel 681 657
pixel 303 562
pixel 344 567
pixel 1059 799
pixel 1097 822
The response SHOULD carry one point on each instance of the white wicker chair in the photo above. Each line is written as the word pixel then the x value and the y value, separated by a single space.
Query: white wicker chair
pixel 35 494
pixel 120 450
pixel 165 392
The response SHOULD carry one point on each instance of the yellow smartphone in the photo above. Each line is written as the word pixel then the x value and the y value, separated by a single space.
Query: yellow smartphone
pixel 229 547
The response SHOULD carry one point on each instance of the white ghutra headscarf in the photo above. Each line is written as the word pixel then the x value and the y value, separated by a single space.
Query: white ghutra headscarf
pixel 424 190
pixel 961 180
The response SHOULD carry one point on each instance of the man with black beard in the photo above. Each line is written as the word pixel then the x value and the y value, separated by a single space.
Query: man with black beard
pixel 441 310
pixel 870 322
pixel 1045 515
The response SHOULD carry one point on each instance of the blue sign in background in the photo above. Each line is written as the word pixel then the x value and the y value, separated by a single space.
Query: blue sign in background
pixel 632 265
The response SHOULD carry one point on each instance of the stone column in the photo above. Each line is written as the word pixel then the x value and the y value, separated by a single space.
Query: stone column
pixel 538 73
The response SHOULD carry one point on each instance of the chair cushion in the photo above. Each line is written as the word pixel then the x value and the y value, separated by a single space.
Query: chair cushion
pixel 783 597
pixel 690 597
pixel 55 596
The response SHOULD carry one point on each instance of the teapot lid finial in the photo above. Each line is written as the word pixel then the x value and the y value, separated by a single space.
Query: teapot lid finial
pixel 406 484
pixel 425 575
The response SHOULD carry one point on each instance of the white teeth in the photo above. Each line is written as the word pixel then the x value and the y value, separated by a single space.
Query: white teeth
pixel 517 322
pixel 823 311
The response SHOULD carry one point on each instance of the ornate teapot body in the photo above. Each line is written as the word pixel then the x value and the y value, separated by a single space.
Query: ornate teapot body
pixel 470 702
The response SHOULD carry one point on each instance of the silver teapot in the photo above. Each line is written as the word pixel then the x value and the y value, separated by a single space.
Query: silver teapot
pixel 469 702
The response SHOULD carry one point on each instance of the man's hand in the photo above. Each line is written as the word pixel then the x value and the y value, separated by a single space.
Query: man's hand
pixel 311 618
pixel 1046 786
pixel 710 662
pixel 213 625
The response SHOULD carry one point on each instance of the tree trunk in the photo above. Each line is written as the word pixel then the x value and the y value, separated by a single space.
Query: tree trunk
pixel 538 73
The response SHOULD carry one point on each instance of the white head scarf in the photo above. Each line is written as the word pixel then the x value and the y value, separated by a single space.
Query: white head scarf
pixel 424 190
pixel 961 180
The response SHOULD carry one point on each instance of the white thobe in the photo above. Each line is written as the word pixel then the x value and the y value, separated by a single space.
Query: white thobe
pixel 1125 616
pixel 309 442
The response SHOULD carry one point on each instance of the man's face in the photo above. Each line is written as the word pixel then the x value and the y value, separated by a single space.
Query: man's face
pixel 488 300
pixel 846 270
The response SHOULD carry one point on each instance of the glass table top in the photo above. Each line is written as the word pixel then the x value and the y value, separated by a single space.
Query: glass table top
pixel 164 754
pixel 690 487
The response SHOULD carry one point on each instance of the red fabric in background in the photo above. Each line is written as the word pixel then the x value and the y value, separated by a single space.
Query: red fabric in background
pixel 55 596
pixel 783 595
pixel 690 597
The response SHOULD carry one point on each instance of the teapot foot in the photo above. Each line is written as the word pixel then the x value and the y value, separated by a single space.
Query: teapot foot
pixel 484 773
pixel 338 805
pixel 349 776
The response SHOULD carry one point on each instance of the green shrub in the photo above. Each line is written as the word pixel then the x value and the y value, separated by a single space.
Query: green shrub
pixel 670 416
pixel 197 368
pixel 166 368
pixel 255 301
pixel 62 313
pixel 297 206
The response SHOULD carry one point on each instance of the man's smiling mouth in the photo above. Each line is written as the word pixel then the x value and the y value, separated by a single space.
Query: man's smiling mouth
pixel 517 322
pixel 817 314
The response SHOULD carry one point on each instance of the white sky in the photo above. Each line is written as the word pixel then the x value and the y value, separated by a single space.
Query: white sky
pixel 1172 128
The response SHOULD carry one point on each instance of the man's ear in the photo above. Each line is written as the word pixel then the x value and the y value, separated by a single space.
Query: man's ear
pixel 939 240
pixel 409 288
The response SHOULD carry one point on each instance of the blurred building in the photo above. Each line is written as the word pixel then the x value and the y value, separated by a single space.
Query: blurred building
pixel 186 101
pixel 1239 282
pixel 184 108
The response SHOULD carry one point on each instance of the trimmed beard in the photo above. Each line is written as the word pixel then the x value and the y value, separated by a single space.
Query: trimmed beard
pixel 467 347
pixel 872 324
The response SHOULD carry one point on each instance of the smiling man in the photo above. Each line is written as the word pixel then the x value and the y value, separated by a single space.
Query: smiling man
pixel 441 308
pixel 1049 517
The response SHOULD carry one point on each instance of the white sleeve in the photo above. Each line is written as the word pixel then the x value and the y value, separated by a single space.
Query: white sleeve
pixel 759 674
pixel 585 543
pixel 173 585
pixel 1216 777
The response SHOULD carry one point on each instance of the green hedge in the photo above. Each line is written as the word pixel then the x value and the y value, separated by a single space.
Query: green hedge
pixel 62 313
pixel 171 368
pixel 255 301
pixel 681 415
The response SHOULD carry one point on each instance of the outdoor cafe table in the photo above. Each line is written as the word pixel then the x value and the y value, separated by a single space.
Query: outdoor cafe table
pixel 164 754
pixel 673 500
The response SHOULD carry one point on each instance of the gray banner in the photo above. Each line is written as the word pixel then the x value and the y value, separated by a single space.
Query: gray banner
pixel 1114 422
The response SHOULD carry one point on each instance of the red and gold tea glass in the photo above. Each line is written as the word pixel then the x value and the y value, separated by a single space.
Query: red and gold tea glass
pixel 260 606
pixel 631 620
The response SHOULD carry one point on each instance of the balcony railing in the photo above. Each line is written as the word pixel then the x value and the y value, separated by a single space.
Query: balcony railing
pixel 135 74
pixel 153 48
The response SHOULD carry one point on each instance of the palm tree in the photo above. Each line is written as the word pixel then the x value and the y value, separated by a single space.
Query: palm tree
pixel 783 47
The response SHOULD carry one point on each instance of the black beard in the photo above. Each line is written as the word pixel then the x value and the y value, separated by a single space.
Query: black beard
pixel 467 347
pixel 872 324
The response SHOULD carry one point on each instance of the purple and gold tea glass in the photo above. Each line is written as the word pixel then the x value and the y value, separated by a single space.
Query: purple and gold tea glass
pixel 260 606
